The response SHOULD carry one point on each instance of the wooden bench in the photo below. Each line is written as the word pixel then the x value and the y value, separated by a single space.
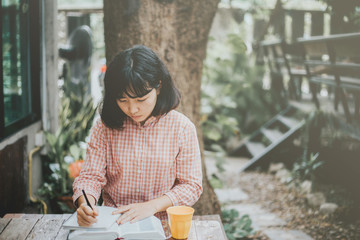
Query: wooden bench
pixel 284 58
pixel 326 61
pixel 334 61
pixel 274 57
pixel 44 227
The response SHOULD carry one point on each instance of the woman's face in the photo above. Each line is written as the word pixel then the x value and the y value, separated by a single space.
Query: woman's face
pixel 139 109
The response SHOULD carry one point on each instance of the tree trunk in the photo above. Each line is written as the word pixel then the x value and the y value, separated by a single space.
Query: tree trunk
pixel 178 32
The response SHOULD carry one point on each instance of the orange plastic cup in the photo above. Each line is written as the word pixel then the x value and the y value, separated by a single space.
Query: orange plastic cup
pixel 180 221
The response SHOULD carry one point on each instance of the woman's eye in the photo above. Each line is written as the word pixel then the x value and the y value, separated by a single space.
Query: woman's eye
pixel 141 100
pixel 122 100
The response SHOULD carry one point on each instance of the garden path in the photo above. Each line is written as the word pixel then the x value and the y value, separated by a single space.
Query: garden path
pixel 267 224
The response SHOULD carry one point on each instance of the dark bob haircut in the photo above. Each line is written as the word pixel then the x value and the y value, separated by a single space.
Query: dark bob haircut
pixel 135 72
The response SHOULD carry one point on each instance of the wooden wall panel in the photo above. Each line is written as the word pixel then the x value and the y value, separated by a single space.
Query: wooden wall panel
pixel 12 177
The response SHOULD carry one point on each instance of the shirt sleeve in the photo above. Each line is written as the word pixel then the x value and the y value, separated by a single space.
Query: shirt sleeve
pixel 188 184
pixel 92 176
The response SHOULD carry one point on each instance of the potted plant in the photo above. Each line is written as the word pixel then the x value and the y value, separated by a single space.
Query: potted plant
pixel 62 166
pixel 66 147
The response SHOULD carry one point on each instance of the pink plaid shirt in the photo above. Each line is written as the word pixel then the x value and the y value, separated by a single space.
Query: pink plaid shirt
pixel 141 163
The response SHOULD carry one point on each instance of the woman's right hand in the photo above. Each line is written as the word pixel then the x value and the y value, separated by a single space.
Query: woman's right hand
pixel 86 216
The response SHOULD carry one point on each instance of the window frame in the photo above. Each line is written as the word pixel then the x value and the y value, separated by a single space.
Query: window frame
pixel 34 67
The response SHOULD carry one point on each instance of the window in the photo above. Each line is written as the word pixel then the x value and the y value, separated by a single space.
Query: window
pixel 20 55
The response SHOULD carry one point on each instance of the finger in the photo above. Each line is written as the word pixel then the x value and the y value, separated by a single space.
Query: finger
pixel 83 219
pixel 135 219
pixel 83 223
pixel 121 218
pixel 95 211
pixel 126 217
pixel 121 210
pixel 83 213
pixel 88 211
pixel 87 219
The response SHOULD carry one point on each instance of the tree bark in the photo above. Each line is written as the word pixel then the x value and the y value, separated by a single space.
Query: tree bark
pixel 178 32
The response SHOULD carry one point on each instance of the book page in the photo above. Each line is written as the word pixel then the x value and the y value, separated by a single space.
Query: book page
pixel 157 225
pixel 91 234
pixel 140 226
pixel 104 220
pixel 148 228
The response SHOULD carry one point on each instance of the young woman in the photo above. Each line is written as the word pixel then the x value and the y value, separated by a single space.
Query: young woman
pixel 143 155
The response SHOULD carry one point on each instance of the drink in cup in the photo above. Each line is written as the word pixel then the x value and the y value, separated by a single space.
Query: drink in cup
pixel 180 221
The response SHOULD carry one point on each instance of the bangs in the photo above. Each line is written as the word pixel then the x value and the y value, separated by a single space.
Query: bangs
pixel 133 85
pixel 136 85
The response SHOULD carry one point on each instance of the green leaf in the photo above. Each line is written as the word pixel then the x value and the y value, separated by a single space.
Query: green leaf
pixel 216 183
pixel 50 138
pixel 75 151
pixel 214 135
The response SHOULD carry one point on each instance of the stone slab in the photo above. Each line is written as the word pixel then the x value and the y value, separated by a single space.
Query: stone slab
pixel 280 234
pixel 231 164
pixel 231 195
pixel 261 219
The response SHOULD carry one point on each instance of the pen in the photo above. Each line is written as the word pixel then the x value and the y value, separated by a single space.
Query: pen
pixel 87 200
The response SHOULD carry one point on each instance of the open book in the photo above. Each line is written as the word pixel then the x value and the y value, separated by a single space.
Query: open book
pixel 106 228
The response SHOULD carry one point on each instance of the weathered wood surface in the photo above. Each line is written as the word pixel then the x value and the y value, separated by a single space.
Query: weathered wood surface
pixel 47 227
pixel 209 227
pixel 38 226
pixel 3 224
pixel 18 229
pixel 14 215
pixel 63 233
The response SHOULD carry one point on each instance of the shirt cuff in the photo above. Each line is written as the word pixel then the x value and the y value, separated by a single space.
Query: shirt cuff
pixel 173 198
pixel 89 192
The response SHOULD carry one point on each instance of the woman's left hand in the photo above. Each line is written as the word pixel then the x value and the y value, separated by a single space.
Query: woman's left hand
pixel 135 212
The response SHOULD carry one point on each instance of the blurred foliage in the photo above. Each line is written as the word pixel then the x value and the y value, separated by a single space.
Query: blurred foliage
pixel 234 101
pixel 324 140
pixel 215 182
pixel 347 11
pixel 236 227
pixel 305 169
pixel 67 145
pixel 219 156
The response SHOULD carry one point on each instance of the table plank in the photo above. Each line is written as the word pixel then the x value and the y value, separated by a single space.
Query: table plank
pixel 22 215
pixel 14 215
pixel 212 218
pixel 32 216
pixel 192 233
pixel 207 217
pixel 206 230
pixel 63 233
pixel 47 227
pixel 206 227
pixel 38 226
pixel 13 231
pixel 3 223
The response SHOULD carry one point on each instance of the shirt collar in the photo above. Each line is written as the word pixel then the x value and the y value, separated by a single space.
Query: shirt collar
pixel 147 123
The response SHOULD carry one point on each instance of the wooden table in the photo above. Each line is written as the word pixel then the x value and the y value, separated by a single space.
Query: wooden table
pixel 45 227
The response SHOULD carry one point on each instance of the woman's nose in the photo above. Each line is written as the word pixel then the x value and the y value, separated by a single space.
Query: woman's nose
pixel 133 108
